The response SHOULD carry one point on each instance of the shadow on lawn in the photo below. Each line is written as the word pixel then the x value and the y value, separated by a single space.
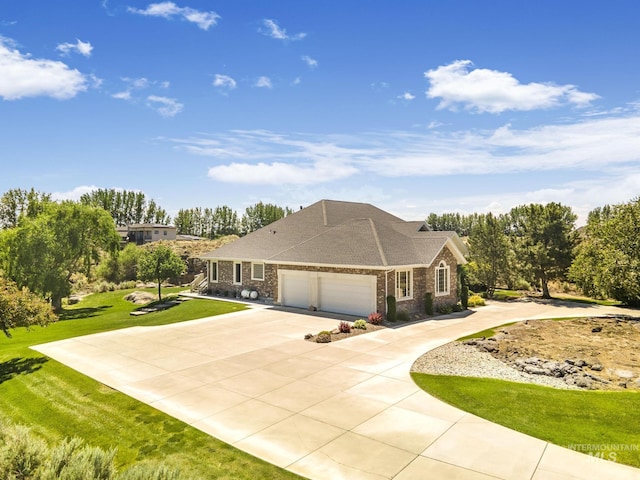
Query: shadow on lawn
pixel 76 313
pixel 20 366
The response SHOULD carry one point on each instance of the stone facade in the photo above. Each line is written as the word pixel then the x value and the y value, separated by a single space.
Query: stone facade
pixel 450 260
pixel 225 280
pixel 423 282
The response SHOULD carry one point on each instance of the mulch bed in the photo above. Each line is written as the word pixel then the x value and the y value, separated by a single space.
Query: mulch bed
pixel 336 335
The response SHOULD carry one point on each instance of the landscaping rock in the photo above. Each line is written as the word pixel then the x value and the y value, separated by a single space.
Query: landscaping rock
pixel 140 298
pixel 583 382
pixel 323 338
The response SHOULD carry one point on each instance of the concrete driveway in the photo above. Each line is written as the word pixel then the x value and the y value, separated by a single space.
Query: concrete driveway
pixel 348 409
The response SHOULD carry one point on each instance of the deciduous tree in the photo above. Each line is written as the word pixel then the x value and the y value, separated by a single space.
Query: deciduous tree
pixel 261 215
pixel 159 264
pixel 17 203
pixel 42 253
pixel 21 308
pixel 607 263
pixel 489 251
pixel 126 206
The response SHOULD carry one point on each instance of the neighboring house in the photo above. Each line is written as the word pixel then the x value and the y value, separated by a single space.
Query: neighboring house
pixel 341 257
pixel 141 233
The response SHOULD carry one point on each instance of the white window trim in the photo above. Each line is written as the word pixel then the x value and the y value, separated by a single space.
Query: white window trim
pixel 237 281
pixel 211 267
pixel 443 266
pixel 253 275
pixel 409 272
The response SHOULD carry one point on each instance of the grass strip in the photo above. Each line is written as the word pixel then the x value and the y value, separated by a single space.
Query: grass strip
pixel 608 420
pixel 57 402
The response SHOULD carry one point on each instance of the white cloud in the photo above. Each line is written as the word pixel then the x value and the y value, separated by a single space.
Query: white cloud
pixel 263 82
pixel 311 62
pixel 168 10
pixel 125 95
pixel 618 186
pixel 296 81
pixel 24 76
pixel 224 82
pixel 278 173
pixel 73 194
pixel 406 96
pixel 167 107
pixel 136 84
pixel 273 30
pixel 83 48
pixel 594 146
pixel 483 90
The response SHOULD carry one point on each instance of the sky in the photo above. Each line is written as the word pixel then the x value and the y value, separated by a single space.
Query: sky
pixel 415 106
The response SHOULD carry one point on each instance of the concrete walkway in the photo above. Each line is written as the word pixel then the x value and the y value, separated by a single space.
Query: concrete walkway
pixel 348 409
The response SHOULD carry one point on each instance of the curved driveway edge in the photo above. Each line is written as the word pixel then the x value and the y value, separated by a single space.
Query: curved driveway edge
pixel 347 409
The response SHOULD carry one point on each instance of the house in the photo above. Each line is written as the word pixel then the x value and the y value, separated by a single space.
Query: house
pixel 341 257
pixel 141 233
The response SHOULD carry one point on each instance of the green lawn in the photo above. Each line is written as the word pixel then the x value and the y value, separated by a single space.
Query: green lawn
pixel 587 300
pixel 57 402
pixel 563 417
pixel 504 294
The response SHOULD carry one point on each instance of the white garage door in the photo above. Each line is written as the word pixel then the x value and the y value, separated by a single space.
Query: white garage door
pixel 329 292
pixel 350 294
pixel 295 289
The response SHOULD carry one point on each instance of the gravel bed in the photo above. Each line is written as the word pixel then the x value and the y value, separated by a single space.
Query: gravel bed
pixel 466 361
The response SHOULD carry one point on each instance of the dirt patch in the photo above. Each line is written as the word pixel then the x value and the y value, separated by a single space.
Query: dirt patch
pixel 593 353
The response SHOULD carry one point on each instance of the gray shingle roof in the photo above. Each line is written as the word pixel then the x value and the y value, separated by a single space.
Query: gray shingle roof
pixel 341 233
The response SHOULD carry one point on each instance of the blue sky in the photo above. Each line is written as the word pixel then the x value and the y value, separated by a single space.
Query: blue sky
pixel 415 106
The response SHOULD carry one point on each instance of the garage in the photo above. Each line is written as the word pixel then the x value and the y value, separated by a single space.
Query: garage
pixel 329 292
pixel 295 289
pixel 343 293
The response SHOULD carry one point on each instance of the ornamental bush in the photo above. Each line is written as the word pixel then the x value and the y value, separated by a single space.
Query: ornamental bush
pixel 392 315
pixel 344 327
pixel 476 301
pixel 464 297
pixel 375 318
pixel 323 337
pixel 428 303
pixel 25 456
pixel 360 324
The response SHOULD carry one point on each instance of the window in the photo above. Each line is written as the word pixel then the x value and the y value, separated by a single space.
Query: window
pixel 156 232
pixel 237 273
pixel 442 279
pixel 404 287
pixel 213 272
pixel 165 233
pixel 257 271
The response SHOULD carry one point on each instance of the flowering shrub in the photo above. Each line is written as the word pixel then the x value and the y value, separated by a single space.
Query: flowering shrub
pixel 476 301
pixel 375 318
pixel 344 327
